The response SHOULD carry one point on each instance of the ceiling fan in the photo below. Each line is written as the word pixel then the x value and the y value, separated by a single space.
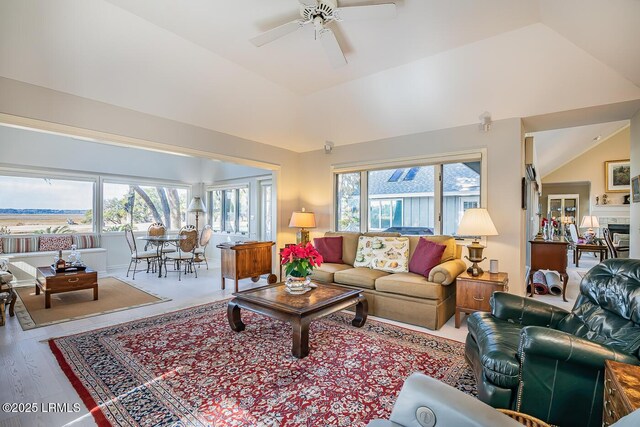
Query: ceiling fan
pixel 320 13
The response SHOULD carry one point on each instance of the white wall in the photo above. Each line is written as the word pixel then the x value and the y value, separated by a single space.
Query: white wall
pixel 634 250
pixel 30 150
pixel 504 161
pixel 34 106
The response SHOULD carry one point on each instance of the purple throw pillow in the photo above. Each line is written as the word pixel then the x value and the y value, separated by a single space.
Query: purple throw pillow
pixel 426 256
pixel 330 248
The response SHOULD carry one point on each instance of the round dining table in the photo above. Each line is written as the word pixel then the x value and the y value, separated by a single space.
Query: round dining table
pixel 160 242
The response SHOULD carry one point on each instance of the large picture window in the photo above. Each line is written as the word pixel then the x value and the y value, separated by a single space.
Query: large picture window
pixel 138 206
pixel 34 205
pixel 229 209
pixel 427 199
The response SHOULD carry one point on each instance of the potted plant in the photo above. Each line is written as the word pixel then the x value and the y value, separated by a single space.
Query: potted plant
pixel 299 261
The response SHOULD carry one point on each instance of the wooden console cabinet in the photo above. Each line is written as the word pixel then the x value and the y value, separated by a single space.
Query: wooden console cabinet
pixel 621 391
pixel 474 293
pixel 246 259
pixel 549 255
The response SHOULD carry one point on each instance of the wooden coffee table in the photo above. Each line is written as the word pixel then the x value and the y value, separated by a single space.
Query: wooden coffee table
pixel 51 282
pixel 298 310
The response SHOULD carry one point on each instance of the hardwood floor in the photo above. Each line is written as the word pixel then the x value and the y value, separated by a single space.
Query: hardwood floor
pixel 30 374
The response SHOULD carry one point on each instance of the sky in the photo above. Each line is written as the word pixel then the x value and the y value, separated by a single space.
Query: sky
pixel 38 193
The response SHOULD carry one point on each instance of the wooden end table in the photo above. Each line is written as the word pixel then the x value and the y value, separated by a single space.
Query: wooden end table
pixel 473 293
pixel 298 310
pixel 51 282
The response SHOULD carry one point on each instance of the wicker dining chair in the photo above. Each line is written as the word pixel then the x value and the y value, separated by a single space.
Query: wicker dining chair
pixel 201 251
pixel 151 257
pixel 185 254
pixel 158 229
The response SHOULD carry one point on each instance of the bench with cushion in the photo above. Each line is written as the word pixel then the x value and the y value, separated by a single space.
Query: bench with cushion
pixel 25 253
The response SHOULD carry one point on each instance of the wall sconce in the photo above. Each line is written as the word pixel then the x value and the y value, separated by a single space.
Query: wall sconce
pixel 485 121
pixel 328 147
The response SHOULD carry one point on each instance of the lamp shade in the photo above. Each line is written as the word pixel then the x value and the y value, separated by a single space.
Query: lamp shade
pixel 196 205
pixel 476 222
pixel 589 221
pixel 303 220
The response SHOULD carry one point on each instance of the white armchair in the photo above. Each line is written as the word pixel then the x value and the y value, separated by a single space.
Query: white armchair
pixel 426 402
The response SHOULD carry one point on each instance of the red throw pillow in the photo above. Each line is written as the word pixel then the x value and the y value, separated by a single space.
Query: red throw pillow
pixel 330 248
pixel 426 256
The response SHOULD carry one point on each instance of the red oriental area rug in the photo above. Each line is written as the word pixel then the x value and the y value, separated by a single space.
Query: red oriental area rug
pixel 189 368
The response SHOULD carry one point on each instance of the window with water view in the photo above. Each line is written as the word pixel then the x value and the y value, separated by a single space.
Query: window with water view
pixel 37 205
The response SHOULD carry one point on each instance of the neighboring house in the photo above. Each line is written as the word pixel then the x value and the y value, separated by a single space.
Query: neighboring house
pixel 405 197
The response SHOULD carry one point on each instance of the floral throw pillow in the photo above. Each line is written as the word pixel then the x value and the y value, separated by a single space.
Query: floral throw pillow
pixel 55 243
pixel 389 254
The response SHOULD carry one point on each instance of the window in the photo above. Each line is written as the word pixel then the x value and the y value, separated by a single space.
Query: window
pixel 460 191
pixel 138 206
pixel 229 210
pixel 348 203
pixel 265 210
pixel 411 200
pixel 33 205
pixel 401 204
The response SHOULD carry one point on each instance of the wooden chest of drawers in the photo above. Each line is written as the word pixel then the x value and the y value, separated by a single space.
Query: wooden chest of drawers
pixel 474 293
pixel 621 391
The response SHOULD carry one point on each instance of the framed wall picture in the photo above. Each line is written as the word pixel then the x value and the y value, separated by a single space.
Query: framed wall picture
pixel 635 189
pixel 617 176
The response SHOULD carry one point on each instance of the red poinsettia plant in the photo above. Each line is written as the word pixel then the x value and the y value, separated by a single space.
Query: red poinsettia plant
pixel 299 260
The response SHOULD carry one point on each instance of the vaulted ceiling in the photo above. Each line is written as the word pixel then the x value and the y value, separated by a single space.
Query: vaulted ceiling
pixel 437 64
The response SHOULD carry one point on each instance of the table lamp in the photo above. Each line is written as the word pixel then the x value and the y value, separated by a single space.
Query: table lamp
pixel 197 206
pixel 303 220
pixel 476 222
pixel 589 222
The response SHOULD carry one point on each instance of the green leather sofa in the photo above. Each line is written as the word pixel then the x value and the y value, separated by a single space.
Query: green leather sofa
pixel 547 362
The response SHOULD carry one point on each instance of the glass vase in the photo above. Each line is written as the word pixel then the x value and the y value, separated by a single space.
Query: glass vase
pixel 297 285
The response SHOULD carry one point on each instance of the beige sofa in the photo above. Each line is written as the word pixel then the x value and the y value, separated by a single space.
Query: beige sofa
pixel 405 297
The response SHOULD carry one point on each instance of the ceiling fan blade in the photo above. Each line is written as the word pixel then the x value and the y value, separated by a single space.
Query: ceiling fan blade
pixel 372 11
pixel 332 48
pixel 277 32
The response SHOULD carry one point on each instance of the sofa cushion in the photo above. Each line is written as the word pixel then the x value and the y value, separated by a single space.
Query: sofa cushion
pixel 412 285
pixel 330 248
pixel 86 241
pixel 449 253
pixel 426 256
pixel 498 342
pixel 349 244
pixel 361 277
pixel 325 272
pixel 389 254
pixel 11 245
pixel 55 243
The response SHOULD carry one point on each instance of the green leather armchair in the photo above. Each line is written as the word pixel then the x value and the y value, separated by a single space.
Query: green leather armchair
pixel 547 362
